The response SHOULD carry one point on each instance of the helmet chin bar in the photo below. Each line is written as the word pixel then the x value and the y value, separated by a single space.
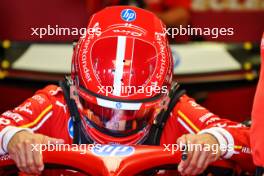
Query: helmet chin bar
pixel 100 137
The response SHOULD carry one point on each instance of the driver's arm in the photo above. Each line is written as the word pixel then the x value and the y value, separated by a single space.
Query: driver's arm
pixel 19 128
pixel 231 134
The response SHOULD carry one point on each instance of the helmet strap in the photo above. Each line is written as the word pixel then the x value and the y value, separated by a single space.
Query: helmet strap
pixel 161 119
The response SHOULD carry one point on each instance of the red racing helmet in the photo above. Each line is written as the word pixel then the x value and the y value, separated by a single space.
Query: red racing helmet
pixel 122 72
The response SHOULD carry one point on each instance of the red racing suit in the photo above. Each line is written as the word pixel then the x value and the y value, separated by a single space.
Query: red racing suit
pixel 46 112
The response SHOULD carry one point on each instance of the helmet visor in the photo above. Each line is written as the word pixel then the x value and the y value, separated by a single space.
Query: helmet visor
pixel 117 121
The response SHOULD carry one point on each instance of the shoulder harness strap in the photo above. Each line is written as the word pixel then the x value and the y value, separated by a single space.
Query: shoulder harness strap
pixel 65 85
pixel 160 121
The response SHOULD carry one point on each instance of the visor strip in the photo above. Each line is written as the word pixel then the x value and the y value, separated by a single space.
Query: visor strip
pixel 118 105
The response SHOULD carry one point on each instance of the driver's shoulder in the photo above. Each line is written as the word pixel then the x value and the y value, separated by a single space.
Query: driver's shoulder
pixel 51 90
pixel 53 94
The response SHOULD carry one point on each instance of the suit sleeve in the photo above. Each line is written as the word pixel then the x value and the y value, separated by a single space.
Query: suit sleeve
pixel 30 116
pixel 233 137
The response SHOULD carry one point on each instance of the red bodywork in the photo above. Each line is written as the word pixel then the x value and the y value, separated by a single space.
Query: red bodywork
pixel 141 159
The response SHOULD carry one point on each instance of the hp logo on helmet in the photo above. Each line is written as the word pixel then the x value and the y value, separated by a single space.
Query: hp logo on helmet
pixel 118 105
pixel 128 15
pixel 113 150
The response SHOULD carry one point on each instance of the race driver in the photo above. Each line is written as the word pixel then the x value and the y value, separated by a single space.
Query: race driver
pixel 257 132
pixel 120 91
